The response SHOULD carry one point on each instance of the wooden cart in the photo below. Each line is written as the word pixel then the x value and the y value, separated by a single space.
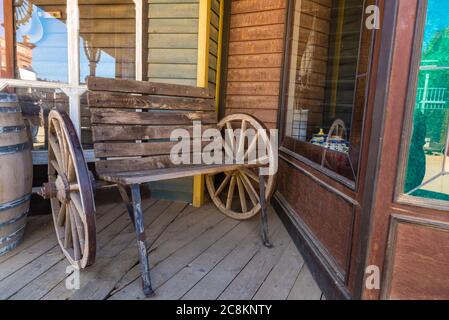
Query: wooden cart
pixel 131 123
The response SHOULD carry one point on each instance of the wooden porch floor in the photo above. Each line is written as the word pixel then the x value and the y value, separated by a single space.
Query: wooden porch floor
pixel 195 254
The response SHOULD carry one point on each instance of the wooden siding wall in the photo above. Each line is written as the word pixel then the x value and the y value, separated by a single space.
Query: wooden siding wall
pixel 256 43
pixel 213 44
pixel 173 41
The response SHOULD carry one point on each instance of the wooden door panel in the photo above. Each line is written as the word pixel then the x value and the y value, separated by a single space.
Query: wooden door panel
pixel 417 264
pixel 328 215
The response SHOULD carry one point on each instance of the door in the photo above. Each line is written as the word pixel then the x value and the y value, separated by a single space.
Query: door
pixel 409 231
pixel 328 90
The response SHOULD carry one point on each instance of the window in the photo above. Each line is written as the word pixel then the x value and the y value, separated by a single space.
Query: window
pixel 49 47
pixel 328 72
pixel 107 39
pixel 41 41
pixel 2 43
pixel 427 160
pixel 57 44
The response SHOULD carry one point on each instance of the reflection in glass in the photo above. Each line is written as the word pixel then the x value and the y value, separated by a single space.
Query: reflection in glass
pixel 2 44
pixel 36 104
pixel 107 39
pixel 41 40
pixel 428 162
pixel 328 74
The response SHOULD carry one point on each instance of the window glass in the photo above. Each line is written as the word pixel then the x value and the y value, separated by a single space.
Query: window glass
pixel 427 173
pixel 41 40
pixel 2 43
pixel 36 104
pixel 330 55
pixel 107 39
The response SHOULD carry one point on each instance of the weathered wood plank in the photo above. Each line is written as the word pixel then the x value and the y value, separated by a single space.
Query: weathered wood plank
pixel 54 277
pixel 156 256
pixel 39 258
pixel 131 86
pixel 117 258
pixel 177 286
pixel 305 287
pixel 215 282
pixel 251 277
pixel 111 100
pixel 281 279
pixel 138 177
pixel 122 133
pixel 119 117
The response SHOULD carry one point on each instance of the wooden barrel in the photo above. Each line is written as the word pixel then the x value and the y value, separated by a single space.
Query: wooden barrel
pixel 16 173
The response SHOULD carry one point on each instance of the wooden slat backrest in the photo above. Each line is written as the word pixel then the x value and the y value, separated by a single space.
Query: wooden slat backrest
pixel 132 121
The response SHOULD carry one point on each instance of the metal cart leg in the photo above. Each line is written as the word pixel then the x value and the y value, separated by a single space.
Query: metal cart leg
pixel 263 211
pixel 140 232
pixel 127 201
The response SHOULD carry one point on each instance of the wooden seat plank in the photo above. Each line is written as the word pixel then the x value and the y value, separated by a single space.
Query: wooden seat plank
pixel 138 177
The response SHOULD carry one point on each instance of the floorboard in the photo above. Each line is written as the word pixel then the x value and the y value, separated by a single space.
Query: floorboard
pixel 195 254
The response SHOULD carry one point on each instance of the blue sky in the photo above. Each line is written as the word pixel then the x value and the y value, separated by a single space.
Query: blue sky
pixel 437 19
pixel 50 54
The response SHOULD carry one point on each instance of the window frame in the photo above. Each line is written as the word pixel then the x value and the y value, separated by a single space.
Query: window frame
pixel 400 197
pixel 283 102
pixel 73 89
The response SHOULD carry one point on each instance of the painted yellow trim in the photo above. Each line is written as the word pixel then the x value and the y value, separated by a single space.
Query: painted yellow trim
pixel 202 80
pixel 203 43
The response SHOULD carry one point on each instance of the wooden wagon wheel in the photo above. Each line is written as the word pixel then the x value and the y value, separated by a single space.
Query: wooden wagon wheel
pixel 70 191
pixel 236 193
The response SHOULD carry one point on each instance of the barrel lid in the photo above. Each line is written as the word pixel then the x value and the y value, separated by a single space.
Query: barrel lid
pixel 8 97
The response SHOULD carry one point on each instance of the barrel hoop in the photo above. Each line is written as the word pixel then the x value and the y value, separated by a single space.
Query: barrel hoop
pixel 15 203
pixel 13 149
pixel 12 129
pixel 15 109
pixel 8 97
pixel 14 220
pixel 13 235
pixel 10 247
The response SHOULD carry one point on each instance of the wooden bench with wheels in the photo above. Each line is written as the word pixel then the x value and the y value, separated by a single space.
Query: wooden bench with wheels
pixel 132 123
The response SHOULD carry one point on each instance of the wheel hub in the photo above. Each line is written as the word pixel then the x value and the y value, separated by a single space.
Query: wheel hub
pixel 62 189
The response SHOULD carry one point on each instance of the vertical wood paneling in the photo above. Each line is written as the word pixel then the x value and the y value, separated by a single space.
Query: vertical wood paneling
pixel 255 58
pixel 173 41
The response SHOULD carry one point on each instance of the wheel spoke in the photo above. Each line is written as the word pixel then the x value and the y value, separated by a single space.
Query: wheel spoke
pixel 253 195
pixel 229 132
pixel 62 215
pixel 252 175
pixel 75 240
pixel 76 199
pixel 242 195
pixel 251 147
pixel 241 145
pixel 79 226
pixel 55 165
pixel 71 174
pixel 223 185
pixel 230 193
pixel 56 150
pixel 68 232
pixel 60 143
